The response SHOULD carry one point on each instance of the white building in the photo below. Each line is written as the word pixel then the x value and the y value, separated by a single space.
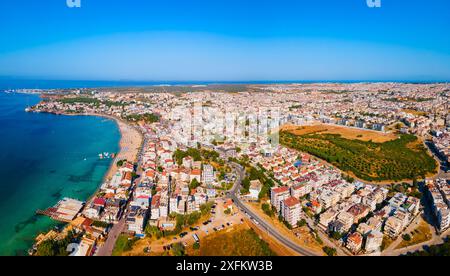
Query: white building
pixel 277 195
pixel 255 189
pixel 290 210
pixel 373 241
pixel 208 174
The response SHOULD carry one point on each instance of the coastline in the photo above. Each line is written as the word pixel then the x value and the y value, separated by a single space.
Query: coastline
pixel 129 138
pixel 130 144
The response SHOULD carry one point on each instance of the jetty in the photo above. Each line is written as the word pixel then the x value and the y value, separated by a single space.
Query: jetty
pixel 64 211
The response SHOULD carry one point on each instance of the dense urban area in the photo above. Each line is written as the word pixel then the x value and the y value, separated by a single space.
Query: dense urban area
pixel 283 169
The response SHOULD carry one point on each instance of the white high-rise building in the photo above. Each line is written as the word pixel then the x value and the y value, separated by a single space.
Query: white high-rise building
pixel 290 210
pixel 208 174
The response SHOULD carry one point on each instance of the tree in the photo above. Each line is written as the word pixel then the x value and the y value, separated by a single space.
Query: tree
pixel 196 246
pixel 194 184
pixel 329 251
pixel 406 237
pixel 206 208
pixel 53 247
pixel 178 250
pixel 267 209
pixel 301 223
pixel 153 231
pixel 336 235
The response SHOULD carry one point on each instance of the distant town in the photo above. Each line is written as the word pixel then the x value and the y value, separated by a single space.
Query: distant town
pixel 337 169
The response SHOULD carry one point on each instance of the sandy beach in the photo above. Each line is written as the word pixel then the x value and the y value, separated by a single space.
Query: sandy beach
pixel 130 144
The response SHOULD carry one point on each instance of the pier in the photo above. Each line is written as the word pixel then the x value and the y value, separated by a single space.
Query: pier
pixel 64 211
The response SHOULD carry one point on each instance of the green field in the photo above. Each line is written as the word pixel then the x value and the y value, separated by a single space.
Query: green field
pixel 396 160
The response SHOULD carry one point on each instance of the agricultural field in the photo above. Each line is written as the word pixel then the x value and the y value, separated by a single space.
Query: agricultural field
pixel 401 159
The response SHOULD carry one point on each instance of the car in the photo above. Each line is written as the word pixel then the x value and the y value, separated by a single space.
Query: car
pixel 228 224
pixel 183 234
pixel 223 226
pixel 206 223
pixel 215 229
pixel 213 212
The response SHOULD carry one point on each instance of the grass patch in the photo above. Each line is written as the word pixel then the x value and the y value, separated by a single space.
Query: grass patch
pixel 421 234
pixel 123 244
pixel 387 241
pixel 242 242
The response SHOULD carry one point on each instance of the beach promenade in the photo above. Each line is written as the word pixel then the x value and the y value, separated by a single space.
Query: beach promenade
pixel 130 145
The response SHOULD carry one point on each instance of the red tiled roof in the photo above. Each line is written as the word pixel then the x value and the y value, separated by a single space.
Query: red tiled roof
pixel 355 238
pixel 280 189
pixel 291 201
pixel 99 201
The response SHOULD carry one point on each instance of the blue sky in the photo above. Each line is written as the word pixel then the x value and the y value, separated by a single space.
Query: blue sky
pixel 228 40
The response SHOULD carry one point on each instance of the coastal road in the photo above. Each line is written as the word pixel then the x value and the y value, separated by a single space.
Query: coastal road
pixel 116 230
pixel 261 223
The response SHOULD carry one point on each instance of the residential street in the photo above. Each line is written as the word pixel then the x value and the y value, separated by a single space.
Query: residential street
pixel 262 223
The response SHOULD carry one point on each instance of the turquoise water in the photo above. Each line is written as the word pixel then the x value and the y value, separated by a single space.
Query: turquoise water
pixel 43 158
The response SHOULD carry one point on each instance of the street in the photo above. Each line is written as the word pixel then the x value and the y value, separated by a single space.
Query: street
pixel 261 223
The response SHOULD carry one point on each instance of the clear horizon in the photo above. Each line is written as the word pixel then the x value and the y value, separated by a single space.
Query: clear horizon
pixel 225 41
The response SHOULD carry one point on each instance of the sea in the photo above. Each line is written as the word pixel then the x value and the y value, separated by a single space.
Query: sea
pixel 44 158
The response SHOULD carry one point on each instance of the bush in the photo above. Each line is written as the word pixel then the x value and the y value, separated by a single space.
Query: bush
pixel 100 224
pixel 196 246
pixel 206 208
pixel 406 237
pixel 301 223
pixel 52 247
pixel 194 184
pixel 153 231
pixel 178 250
pixel 267 209
pixel 329 251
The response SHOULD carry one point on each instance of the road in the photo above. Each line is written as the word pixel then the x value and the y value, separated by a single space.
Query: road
pixel 261 223
pixel 116 230
pixel 119 227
